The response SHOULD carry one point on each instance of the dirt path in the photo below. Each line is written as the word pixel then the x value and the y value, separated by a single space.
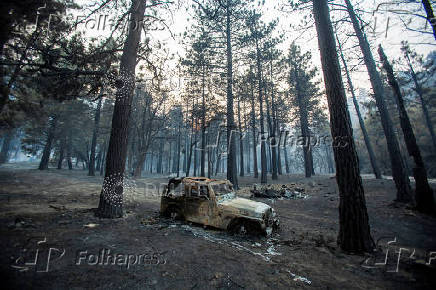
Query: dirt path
pixel 57 207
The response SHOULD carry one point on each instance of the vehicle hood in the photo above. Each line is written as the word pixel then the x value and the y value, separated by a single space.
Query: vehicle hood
pixel 245 206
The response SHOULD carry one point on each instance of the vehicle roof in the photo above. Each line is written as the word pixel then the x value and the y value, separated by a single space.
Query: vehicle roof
pixel 204 180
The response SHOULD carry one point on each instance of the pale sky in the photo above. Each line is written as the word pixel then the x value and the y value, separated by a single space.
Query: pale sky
pixel 389 35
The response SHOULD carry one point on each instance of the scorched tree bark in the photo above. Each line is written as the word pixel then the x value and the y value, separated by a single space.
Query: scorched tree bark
pixel 371 154
pixel 111 197
pixel 424 193
pixel 399 171
pixel 354 233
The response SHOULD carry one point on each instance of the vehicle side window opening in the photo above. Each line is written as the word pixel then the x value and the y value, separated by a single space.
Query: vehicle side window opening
pixel 222 188
pixel 172 186
pixel 204 191
pixel 193 191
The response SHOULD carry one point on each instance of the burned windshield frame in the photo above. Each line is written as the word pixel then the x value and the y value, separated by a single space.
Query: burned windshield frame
pixel 222 188
pixel 203 192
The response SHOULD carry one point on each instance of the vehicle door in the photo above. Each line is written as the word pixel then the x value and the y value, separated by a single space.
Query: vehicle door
pixel 197 204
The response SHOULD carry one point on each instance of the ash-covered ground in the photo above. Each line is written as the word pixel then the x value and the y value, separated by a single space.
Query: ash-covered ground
pixel 52 213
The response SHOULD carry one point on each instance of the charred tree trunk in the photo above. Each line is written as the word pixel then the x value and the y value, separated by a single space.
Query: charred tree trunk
pixel 418 90
pixel 302 104
pixel 285 149
pixel 160 155
pixel 424 193
pixel 61 153
pixel 263 171
pixel 231 144
pixel 70 149
pixel 279 155
pixel 330 164
pixel 428 121
pixel 6 146
pixel 174 165
pixel 188 168
pixel 218 152
pixel 253 128
pixel 312 168
pixel 430 15
pixel 103 159
pixel 185 152
pixel 179 145
pixel 209 155
pixel 248 152
pixel 168 161
pixel 203 127
pixel 241 145
pixel 203 153
pixel 43 165
pixel 218 163
pixel 17 150
pixel 137 173
pixel 87 155
pixel 98 160
pixel 399 172
pixel 273 127
pixel 185 149
pixel 171 158
pixel 247 142
pixel 354 233
pixel 274 147
pixel 111 197
pixel 195 154
pixel 271 153
pixel 91 171
pixel 371 154
pixel 268 157
pixel 143 138
pixel 304 124
pixel 131 157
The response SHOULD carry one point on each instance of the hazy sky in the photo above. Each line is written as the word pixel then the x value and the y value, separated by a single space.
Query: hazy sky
pixel 389 34
pixel 389 31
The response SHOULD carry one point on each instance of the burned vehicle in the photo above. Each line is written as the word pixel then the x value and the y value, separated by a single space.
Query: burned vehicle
pixel 214 203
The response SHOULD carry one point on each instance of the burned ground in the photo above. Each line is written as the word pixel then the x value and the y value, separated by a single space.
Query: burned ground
pixel 58 206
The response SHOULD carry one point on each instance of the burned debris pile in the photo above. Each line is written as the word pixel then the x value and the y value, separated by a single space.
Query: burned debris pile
pixel 285 191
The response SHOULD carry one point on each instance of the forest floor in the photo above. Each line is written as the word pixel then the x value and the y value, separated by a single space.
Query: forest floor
pixel 53 212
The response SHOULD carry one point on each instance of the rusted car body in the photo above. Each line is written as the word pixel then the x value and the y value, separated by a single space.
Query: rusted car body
pixel 214 203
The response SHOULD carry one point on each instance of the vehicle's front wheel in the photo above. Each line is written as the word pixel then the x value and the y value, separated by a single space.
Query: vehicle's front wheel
pixel 244 227
pixel 174 212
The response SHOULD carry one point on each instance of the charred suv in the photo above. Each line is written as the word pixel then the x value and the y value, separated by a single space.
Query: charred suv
pixel 214 203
